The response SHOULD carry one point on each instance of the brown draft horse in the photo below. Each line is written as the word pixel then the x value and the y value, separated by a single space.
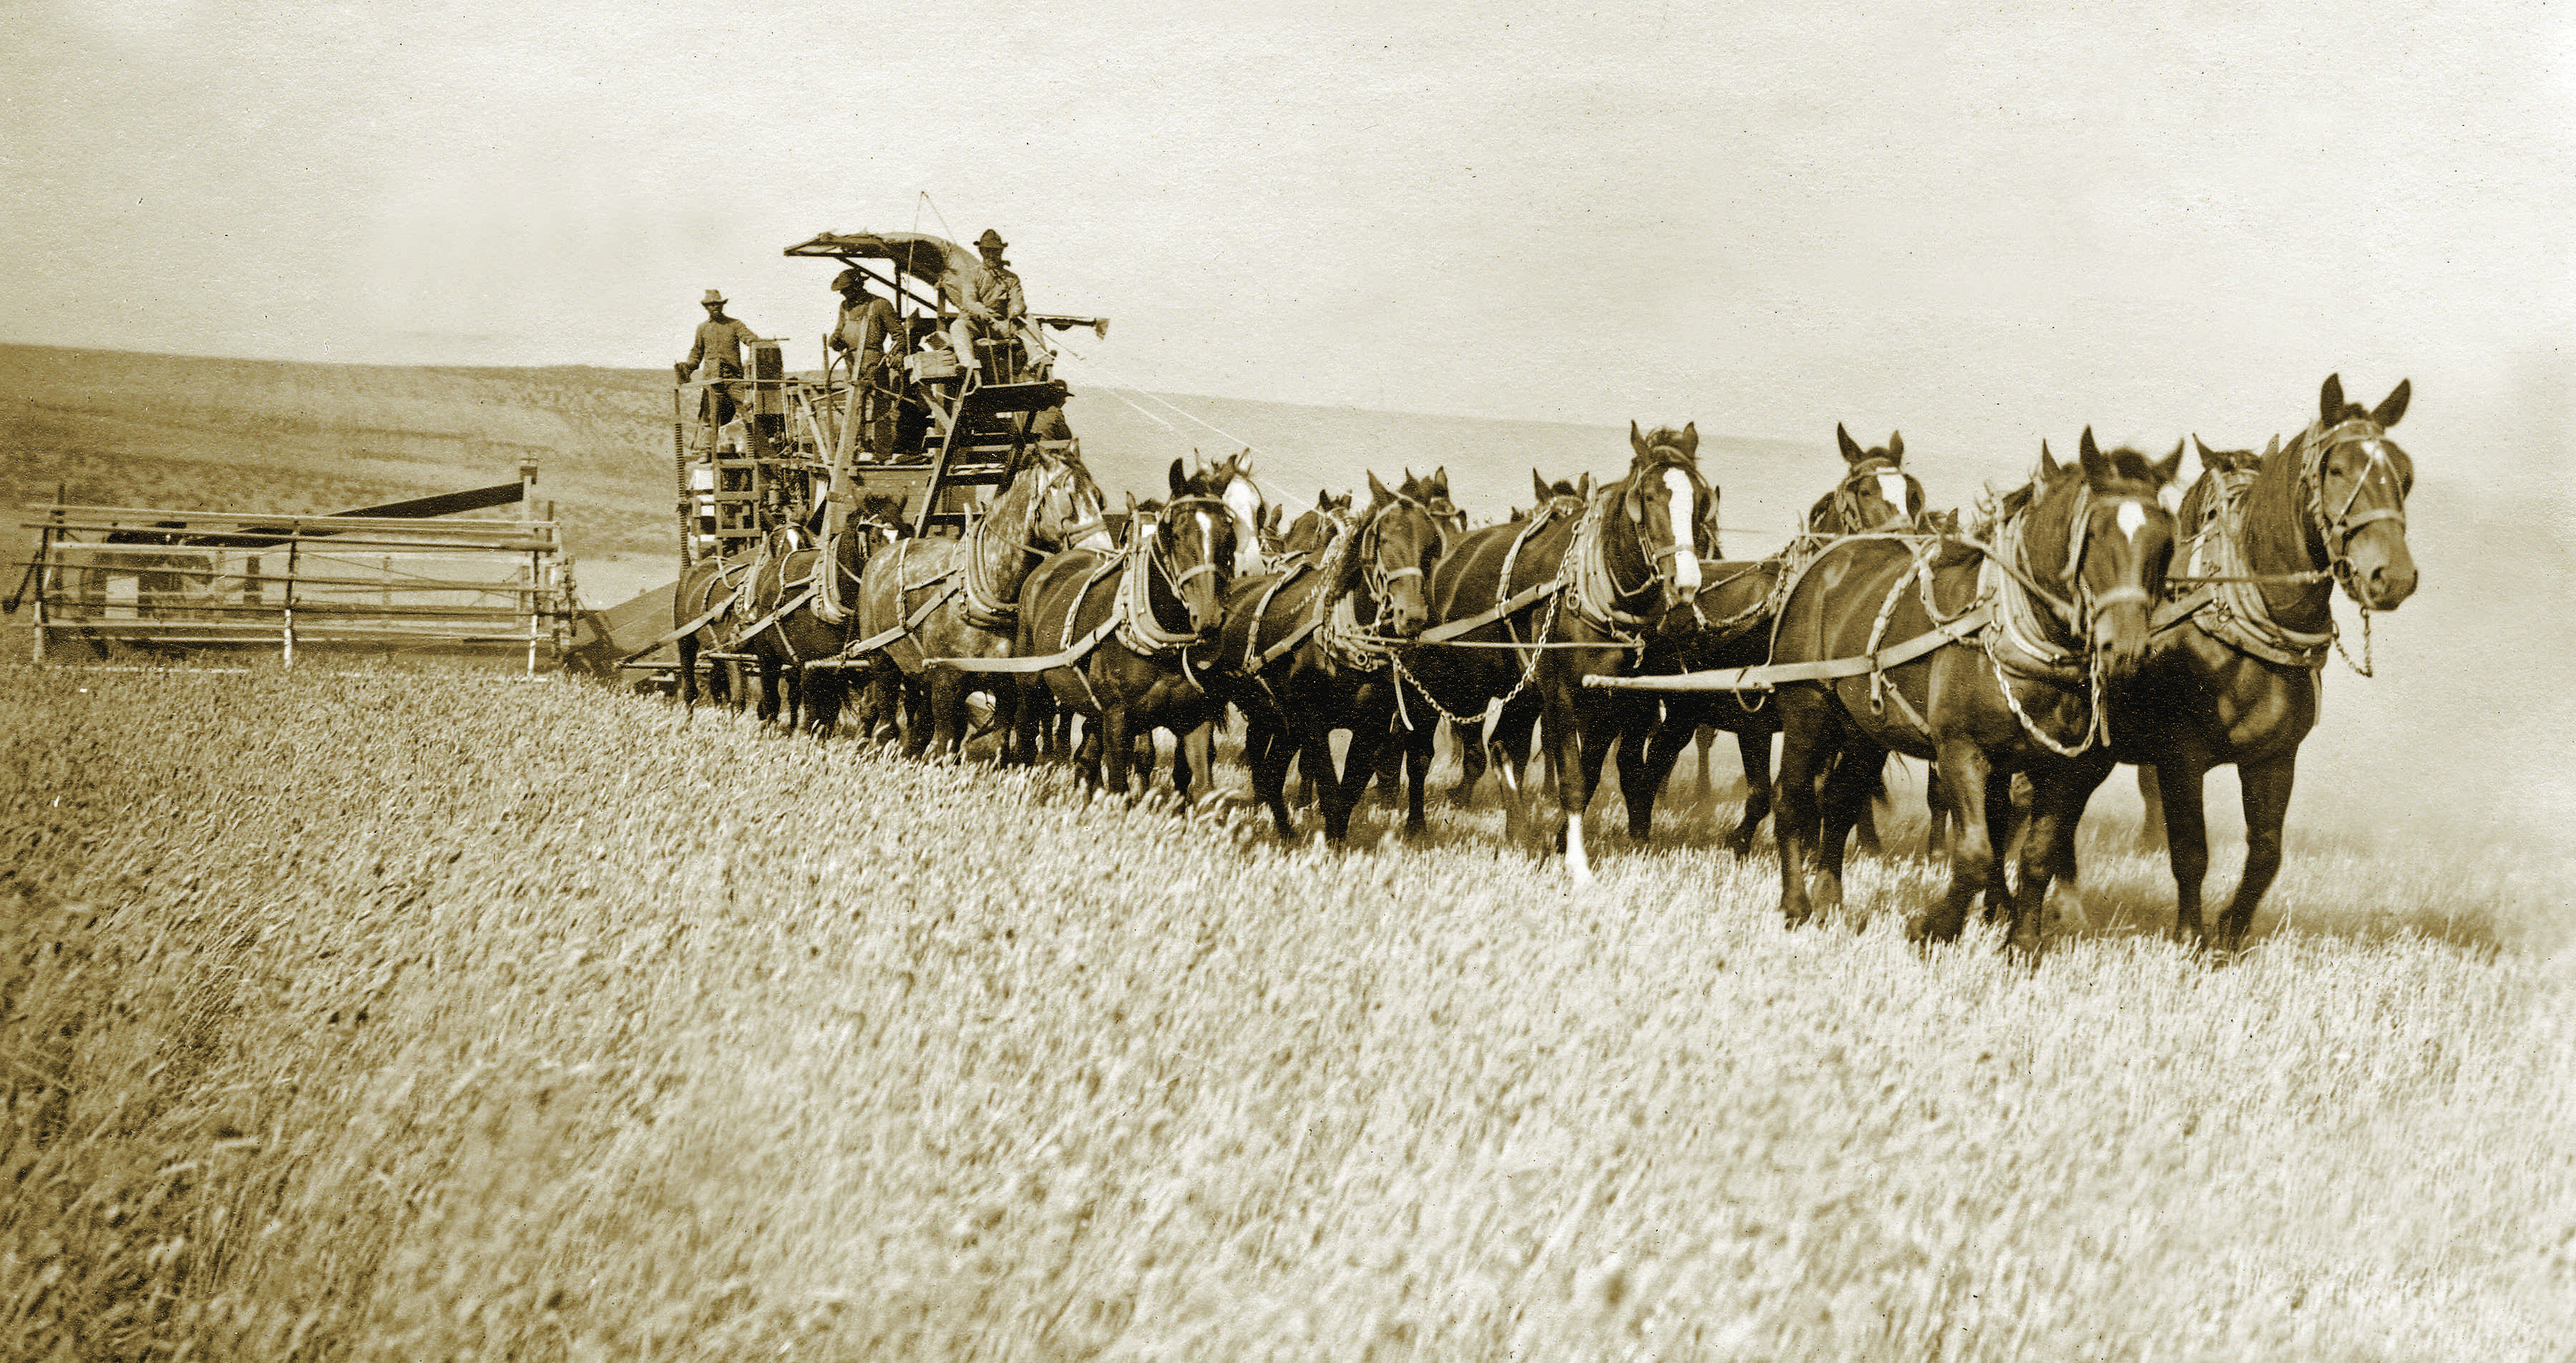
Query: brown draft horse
pixel 1592 580
pixel 2234 673
pixel 1732 628
pixel 1158 601
pixel 2015 685
pixel 812 701
pixel 960 598
pixel 1306 652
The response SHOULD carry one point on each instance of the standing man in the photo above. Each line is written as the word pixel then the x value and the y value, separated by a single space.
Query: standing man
pixel 862 331
pixel 717 353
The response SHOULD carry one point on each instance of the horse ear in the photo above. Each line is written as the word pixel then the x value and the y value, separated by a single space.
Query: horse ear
pixel 1584 488
pixel 2048 469
pixel 1690 439
pixel 2097 468
pixel 1440 476
pixel 1896 447
pixel 1243 462
pixel 2170 467
pixel 1377 490
pixel 2273 446
pixel 2202 446
pixel 1540 484
pixel 2330 400
pixel 1637 439
pixel 1179 479
pixel 2390 410
pixel 1852 452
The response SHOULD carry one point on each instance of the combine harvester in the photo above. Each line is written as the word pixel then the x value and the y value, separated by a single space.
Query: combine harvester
pixel 756 457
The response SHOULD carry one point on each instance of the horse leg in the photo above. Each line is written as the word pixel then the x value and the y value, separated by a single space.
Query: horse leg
pixel 1198 758
pixel 1657 747
pixel 1267 749
pixel 1848 783
pixel 1753 750
pixel 687 675
pixel 2003 837
pixel 2178 785
pixel 2151 824
pixel 1704 738
pixel 1974 869
pixel 2048 845
pixel 1873 792
pixel 1809 729
pixel 1417 773
pixel 1342 793
pixel 1578 770
pixel 2267 807
pixel 1118 746
pixel 948 712
pixel 1471 765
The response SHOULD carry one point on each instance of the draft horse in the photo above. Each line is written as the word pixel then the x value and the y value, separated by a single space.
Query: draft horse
pixel 1131 629
pixel 786 585
pixel 1985 661
pixel 1524 611
pixel 2234 676
pixel 944 598
pixel 1731 627
pixel 1309 651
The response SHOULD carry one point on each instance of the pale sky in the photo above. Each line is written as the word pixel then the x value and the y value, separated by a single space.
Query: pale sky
pixel 1980 223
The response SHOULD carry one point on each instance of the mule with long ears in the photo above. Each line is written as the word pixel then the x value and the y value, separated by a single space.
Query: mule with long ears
pixel 943 598
pixel 1135 628
pixel 1306 653
pixel 1984 662
pixel 2233 678
pixel 1543 603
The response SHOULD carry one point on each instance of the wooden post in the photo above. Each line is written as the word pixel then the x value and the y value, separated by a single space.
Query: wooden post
pixel 293 547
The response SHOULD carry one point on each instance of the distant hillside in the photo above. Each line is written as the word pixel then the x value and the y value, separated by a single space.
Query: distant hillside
pixel 190 433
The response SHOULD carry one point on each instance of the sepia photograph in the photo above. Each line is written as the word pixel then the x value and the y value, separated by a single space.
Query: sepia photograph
pixel 1305 681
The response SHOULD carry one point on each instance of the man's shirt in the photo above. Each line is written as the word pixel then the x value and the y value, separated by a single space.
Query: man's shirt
pixel 720 340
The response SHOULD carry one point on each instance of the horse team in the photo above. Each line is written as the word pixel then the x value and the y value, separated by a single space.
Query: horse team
pixel 2101 614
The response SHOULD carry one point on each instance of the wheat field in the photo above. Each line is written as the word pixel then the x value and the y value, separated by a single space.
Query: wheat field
pixel 404 1016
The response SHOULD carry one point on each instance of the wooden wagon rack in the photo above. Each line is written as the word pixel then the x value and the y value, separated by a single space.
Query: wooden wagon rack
pixel 150 578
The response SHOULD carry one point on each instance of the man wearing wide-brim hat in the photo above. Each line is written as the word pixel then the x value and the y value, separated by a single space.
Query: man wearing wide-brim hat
pixel 861 331
pixel 717 353
pixel 989 304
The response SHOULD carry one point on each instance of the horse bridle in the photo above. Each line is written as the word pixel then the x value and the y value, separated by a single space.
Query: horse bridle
pixel 1381 580
pixel 1846 497
pixel 2078 538
pixel 1660 458
pixel 1057 484
pixel 2335 531
pixel 1157 556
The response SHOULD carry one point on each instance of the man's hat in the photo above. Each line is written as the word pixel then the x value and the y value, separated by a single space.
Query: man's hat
pixel 990 241
pixel 712 297
pixel 842 282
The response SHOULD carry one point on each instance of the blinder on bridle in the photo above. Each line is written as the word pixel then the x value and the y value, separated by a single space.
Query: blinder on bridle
pixel 1848 496
pixel 1661 458
pixel 1213 507
pixel 2336 530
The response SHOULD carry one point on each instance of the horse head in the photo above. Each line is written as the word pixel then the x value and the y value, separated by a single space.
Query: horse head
pixel 1669 505
pixel 1052 497
pixel 1432 490
pixel 1314 530
pixel 1229 480
pixel 2357 480
pixel 2107 509
pixel 1876 493
pixel 1400 538
pixel 1195 544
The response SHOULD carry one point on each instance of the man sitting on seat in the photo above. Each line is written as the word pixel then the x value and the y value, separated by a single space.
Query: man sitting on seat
pixel 863 330
pixel 989 304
